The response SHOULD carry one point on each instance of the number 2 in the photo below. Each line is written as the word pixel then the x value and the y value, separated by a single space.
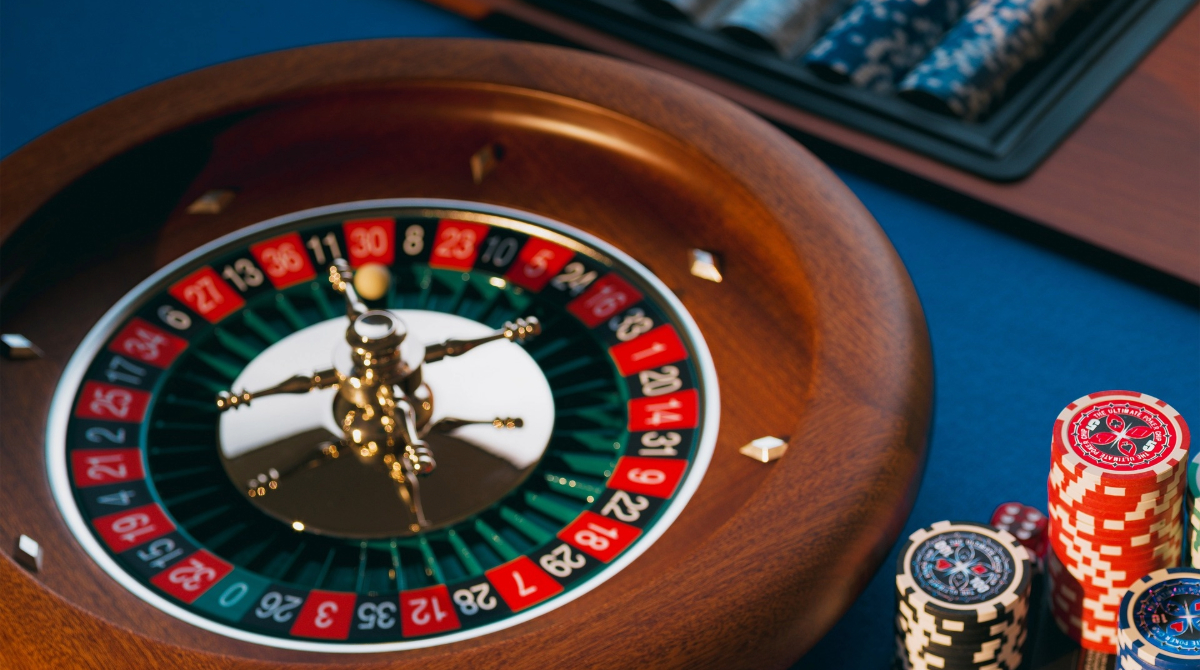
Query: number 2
pixel 420 616
pixel 101 434
pixel 625 508
pixel 114 402
pixel 98 468
pixel 204 294
pixel 478 597
pixel 574 277
pixel 455 243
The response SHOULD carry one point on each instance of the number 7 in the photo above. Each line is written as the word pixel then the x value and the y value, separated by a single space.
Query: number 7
pixel 522 590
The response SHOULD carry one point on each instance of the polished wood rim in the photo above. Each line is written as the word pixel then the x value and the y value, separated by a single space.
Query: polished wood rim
pixel 803 535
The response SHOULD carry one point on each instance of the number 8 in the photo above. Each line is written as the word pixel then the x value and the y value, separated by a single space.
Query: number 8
pixel 466 602
pixel 414 240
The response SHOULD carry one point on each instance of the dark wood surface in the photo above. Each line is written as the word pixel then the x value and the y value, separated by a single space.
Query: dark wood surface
pixel 816 333
pixel 1125 180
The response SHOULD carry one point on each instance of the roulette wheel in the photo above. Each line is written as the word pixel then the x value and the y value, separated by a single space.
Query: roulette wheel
pixel 444 352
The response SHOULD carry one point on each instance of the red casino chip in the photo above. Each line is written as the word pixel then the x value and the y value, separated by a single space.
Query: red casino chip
pixel 1105 557
pixel 1101 574
pixel 1090 633
pixel 1104 525
pixel 1088 538
pixel 1115 500
pixel 1121 437
pixel 1114 531
pixel 1102 588
pixel 1069 477
pixel 1076 620
pixel 1130 511
pixel 1069 549
pixel 1128 560
pixel 1133 511
pixel 1067 482
pixel 1131 537
pixel 1153 484
pixel 1114 524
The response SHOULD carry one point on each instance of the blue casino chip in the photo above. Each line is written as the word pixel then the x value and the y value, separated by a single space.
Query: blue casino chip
pixel 971 67
pixel 876 42
pixel 1159 623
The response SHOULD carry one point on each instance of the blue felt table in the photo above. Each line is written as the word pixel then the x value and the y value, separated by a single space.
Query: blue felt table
pixel 1019 329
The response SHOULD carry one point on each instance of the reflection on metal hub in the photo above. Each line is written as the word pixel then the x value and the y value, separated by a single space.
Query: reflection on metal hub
pixel 374 443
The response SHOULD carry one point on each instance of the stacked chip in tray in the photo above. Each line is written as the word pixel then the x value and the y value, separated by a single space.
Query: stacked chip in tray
pixel 1159 622
pixel 962 595
pixel 1117 477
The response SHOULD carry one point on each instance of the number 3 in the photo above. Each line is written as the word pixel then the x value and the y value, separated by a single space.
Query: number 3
pixel 324 612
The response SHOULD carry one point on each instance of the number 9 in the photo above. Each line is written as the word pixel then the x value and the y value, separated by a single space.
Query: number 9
pixel 174 318
pixel 647 476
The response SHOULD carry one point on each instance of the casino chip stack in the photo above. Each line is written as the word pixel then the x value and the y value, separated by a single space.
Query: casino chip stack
pixel 962 594
pixel 1159 623
pixel 972 66
pixel 1194 516
pixel 1118 462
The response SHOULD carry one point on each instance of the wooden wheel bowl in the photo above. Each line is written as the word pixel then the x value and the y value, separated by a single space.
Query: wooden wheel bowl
pixel 816 332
